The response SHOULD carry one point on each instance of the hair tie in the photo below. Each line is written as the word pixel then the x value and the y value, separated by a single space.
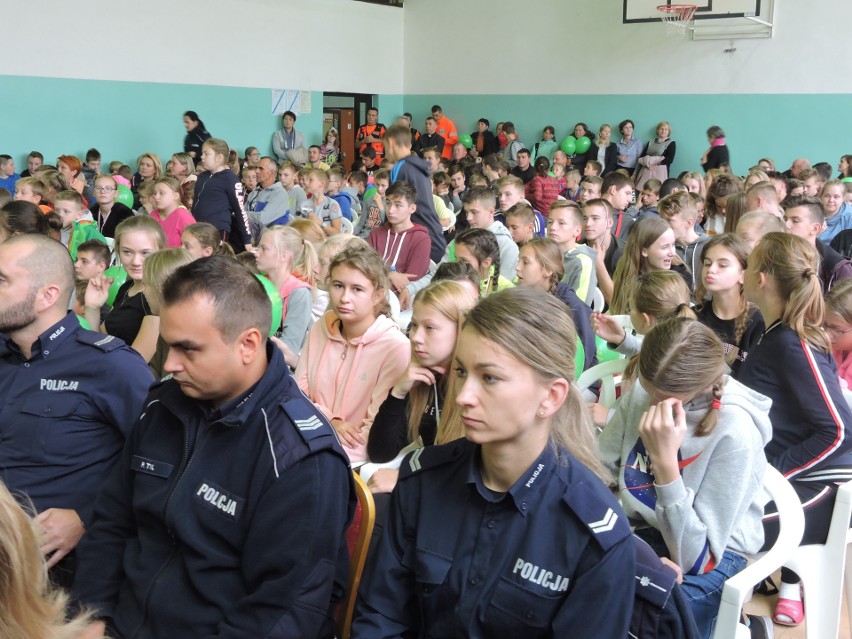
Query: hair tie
pixel 808 272
pixel 716 404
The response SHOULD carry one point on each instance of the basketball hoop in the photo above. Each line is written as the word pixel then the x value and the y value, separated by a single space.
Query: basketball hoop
pixel 677 17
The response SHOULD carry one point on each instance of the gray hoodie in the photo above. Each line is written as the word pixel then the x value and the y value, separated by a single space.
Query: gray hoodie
pixel 698 525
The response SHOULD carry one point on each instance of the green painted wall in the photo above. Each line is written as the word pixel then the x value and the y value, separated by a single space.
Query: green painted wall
pixel 122 119
pixel 782 127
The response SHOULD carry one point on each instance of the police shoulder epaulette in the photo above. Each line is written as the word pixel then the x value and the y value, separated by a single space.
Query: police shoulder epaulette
pixel 602 516
pixel 105 343
pixel 307 418
pixel 424 459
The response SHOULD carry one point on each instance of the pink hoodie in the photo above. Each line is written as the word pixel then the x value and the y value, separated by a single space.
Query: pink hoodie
pixel 350 380
pixel 844 368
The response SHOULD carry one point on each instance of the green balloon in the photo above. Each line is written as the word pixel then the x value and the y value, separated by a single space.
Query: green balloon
pixel 849 179
pixel 84 323
pixel 119 277
pixel 277 304
pixel 569 145
pixel 466 140
pixel 604 352
pixel 125 196
pixel 582 144
pixel 579 359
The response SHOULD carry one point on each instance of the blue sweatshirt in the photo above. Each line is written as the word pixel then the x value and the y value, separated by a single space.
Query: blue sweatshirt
pixel 219 201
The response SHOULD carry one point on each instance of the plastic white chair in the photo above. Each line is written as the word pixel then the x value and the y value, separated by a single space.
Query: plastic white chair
pixel 738 588
pixel 606 373
pixel 346 226
pixel 453 217
pixel 821 568
pixel 598 301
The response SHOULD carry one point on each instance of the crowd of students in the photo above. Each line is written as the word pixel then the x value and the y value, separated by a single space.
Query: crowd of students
pixel 739 310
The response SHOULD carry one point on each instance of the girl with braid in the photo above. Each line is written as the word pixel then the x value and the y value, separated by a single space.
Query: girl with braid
pixel 686 444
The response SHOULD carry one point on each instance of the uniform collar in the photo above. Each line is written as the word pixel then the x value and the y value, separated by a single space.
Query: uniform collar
pixel 527 491
pixel 237 411
pixel 50 339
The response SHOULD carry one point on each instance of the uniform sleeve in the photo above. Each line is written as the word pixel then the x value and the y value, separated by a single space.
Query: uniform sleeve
pixel 595 606
pixel 125 396
pixel 100 553
pixel 290 592
pixel 825 416
pixel 698 525
pixel 298 319
pixel 452 134
pixel 389 433
pixel 387 600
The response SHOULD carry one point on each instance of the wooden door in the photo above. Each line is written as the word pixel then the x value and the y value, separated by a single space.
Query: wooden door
pixel 347 131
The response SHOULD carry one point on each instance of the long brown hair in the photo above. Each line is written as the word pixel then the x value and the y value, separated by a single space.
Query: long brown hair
pixel 793 265
pixel 454 302
pixel 683 357
pixel 536 329
pixel 740 250
pixel 631 264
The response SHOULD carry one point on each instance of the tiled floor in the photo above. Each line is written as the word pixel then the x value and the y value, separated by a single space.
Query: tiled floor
pixel 760 605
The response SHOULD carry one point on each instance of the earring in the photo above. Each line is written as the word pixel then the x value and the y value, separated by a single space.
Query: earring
pixel 541 413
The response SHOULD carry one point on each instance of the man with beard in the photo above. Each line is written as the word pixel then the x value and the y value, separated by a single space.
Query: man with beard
pixel 68 396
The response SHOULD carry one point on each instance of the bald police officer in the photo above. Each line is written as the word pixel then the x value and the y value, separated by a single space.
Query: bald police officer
pixel 68 396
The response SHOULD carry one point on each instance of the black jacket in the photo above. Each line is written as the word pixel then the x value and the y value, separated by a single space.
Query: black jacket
pixel 193 141
pixel 426 141
pixel 415 170
pixel 219 201
pixel 717 156
pixel 224 522
pixel 490 143
pixel 610 157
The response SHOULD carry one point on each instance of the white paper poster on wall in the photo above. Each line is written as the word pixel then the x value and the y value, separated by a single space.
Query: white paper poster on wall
pixel 294 100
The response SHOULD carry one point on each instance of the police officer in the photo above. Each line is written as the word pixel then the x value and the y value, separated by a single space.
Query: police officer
pixel 67 396
pixel 226 513
pixel 509 532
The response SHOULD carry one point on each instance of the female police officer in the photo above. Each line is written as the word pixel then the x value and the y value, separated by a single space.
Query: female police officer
pixel 510 532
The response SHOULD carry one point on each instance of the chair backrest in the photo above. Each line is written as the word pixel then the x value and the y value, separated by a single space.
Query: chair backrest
pixel 605 372
pixel 362 525
pixel 598 301
pixel 791 519
pixel 346 226
pixel 839 528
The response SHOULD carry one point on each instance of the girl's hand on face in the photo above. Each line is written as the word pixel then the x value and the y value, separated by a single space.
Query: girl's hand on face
pixel 662 430
pixel 608 328
pixel 413 374
pixel 600 414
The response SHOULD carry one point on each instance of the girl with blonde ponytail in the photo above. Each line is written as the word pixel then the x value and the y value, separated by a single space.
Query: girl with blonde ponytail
pixel 687 445
pixel 289 262
pixel 792 364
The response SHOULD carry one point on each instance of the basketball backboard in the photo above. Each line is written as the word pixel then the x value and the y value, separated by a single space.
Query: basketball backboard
pixel 646 10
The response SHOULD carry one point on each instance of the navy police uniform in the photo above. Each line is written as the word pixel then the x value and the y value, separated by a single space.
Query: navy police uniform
pixel 65 413
pixel 226 522
pixel 552 557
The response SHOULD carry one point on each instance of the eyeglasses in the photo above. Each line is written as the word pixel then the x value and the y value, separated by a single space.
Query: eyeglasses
pixel 837 332
pixel 105 189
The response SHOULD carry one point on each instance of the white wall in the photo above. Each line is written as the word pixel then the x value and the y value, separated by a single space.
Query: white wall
pixel 305 44
pixel 582 47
